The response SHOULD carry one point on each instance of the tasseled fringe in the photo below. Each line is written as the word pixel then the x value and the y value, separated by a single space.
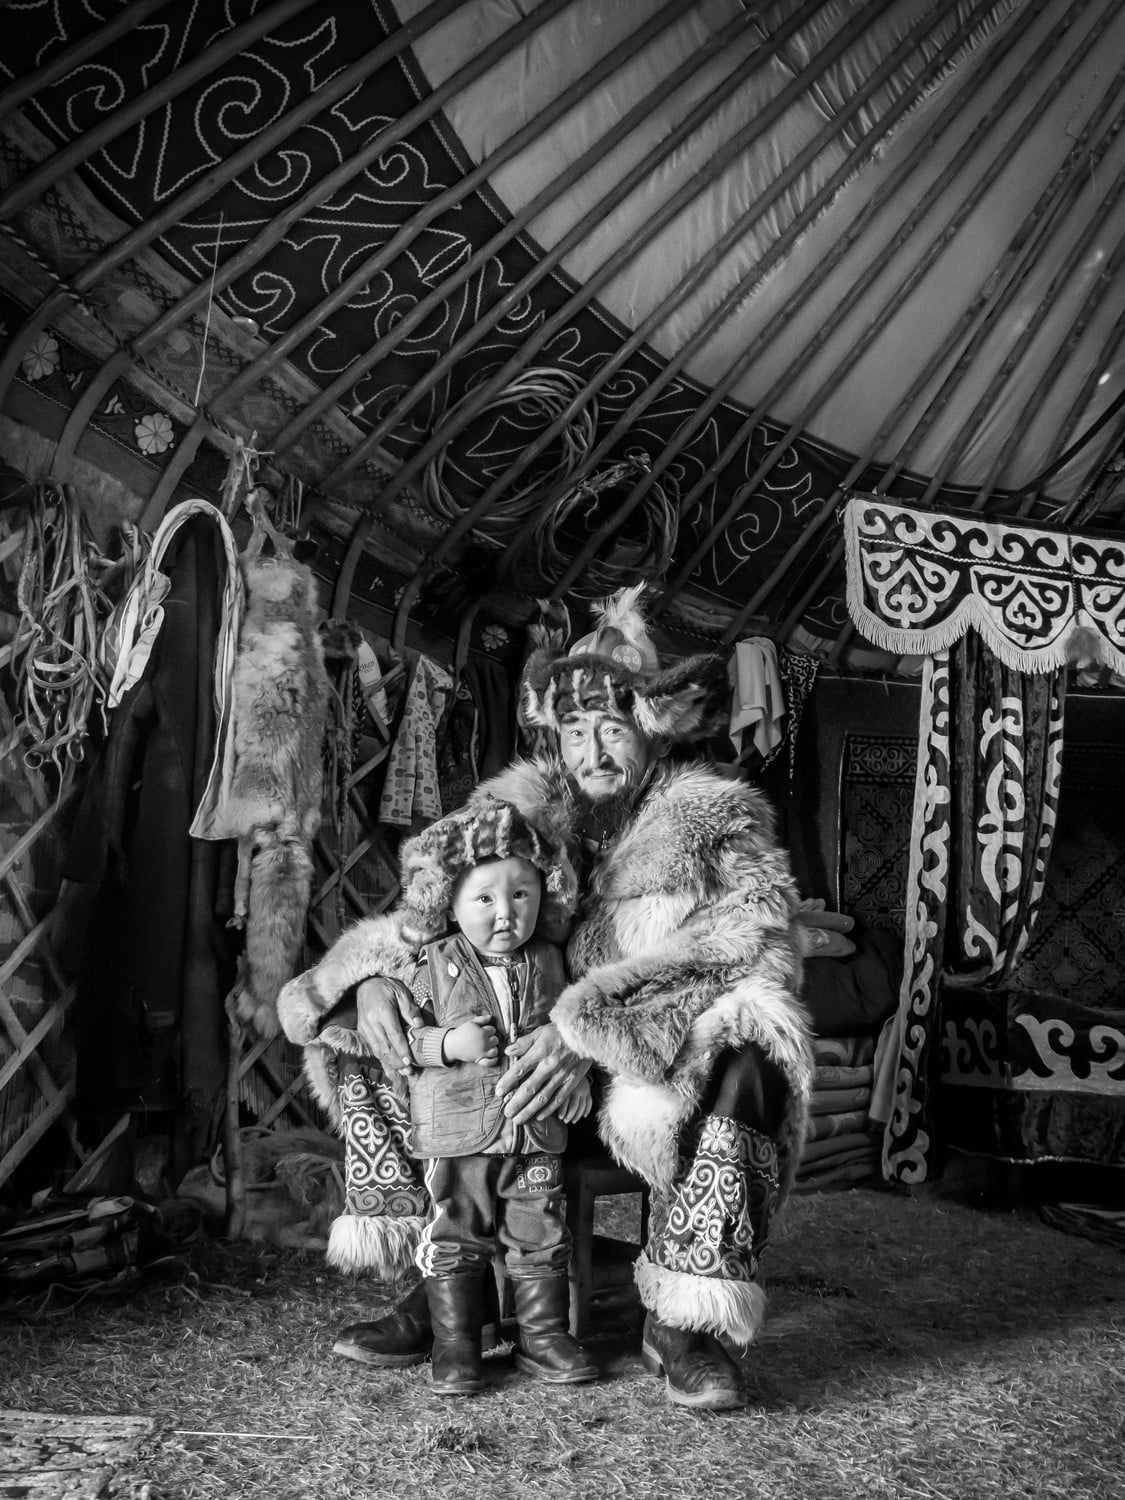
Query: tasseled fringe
pixel 928 640
pixel 380 1243
pixel 705 1304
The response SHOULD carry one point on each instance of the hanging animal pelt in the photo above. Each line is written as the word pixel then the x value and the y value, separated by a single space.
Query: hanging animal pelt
pixel 273 806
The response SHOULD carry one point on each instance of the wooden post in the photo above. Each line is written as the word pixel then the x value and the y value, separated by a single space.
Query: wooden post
pixel 232 1137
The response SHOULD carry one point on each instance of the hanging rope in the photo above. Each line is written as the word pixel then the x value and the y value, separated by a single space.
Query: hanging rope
pixel 646 551
pixel 54 651
pixel 537 395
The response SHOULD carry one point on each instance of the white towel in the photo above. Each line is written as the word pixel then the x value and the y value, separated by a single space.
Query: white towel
pixel 757 698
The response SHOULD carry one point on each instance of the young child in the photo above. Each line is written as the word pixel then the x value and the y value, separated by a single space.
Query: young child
pixel 494 885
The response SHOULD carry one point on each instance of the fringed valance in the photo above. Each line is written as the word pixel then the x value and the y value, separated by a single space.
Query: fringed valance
pixel 918 581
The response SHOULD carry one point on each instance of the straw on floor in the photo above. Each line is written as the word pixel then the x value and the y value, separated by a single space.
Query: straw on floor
pixel 944 1344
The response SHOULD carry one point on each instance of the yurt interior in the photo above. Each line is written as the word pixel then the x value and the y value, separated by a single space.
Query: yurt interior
pixel 354 355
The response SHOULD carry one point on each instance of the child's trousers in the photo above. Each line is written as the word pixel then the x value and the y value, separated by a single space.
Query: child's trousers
pixel 486 1203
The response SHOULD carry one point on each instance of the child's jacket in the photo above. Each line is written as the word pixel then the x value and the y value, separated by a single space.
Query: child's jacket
pixel 454 1110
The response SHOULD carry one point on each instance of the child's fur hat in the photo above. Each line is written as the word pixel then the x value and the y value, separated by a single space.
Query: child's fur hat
pixel 487 828
pixel 615 669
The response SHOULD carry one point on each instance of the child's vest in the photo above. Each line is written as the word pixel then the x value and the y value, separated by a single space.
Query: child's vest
pixel 454 1110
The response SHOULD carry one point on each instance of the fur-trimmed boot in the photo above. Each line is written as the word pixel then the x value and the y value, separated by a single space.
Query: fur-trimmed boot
pixel 455 1313
pixel 697 1369
pixel 546 1349
pixel 405 1335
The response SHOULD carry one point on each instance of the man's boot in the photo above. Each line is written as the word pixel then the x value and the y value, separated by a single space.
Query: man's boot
pixel 455 1313
pixel 545 1348
pixel 697 1369
pixel 404 1336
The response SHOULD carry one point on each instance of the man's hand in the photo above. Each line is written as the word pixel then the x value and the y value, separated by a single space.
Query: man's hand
pixel 386 1011
pixel 822 933
pixel 542 1072
pixel 473 1041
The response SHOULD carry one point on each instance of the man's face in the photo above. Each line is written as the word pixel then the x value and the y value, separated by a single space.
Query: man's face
pixel 496 904
pixel 607 756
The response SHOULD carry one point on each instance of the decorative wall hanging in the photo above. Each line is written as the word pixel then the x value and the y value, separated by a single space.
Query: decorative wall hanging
pixel 917 581
pixel 989 755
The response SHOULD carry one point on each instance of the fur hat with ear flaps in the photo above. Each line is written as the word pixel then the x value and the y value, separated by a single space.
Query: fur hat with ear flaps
pixel 486 828
pixel 615 669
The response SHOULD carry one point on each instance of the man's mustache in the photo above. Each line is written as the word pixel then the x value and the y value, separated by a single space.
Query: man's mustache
pixel 611 810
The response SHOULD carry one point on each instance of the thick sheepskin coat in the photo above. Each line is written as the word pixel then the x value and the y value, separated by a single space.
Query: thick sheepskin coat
pixel 683 947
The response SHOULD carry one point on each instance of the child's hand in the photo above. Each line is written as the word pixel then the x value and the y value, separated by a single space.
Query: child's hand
pixel 472 1041
pixel 577 1104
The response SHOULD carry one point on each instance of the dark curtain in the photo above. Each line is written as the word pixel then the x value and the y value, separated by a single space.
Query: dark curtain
pixel 986 801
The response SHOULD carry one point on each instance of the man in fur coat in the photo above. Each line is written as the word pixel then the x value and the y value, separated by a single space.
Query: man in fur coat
pixel 685 968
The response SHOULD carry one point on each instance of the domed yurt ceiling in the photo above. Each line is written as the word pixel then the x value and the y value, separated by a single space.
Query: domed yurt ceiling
pixel 514 300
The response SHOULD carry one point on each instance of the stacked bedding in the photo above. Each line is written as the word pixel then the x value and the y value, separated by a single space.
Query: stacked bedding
pixel 840 1145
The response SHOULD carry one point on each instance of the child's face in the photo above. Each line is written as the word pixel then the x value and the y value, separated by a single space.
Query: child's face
pixel 496 904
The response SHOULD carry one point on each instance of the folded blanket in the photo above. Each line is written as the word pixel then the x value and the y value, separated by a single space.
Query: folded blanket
pixel 822 1126
pixel 836 1101
pixel 838 1148
pixel 843 1051
pixel 843 1176
pixel 832 1076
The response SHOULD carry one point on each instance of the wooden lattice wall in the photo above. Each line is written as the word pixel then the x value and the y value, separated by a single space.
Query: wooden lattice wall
pixel 43 923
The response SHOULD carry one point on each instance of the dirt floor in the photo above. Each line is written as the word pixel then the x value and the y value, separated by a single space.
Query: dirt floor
pixel 944 1342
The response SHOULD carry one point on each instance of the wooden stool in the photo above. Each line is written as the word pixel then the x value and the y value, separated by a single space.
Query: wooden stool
pixel 601 1267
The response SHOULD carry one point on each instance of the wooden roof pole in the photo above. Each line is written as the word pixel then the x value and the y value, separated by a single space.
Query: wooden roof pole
pixel 91 141
pixel 173 471
pixel 407 233
pixel 982 310
pixel 22 89
pixel 865 278
pixel 191 302
pixel 1062 353
pixel 672 367
pixel 177 209
pixel 954 167
pixel 848 629
pixel 1016 350
pixel 480 506
pixel 836 553
pixel 1026 245
pixel 1071 516
pixel 674 299
pixel 286 436
pixel 484 394
pixel 1056 454
pixel 1090 501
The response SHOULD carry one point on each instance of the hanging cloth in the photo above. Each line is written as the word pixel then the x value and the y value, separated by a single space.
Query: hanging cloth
pixel 757 695
pixel 411 789
pixel 985 805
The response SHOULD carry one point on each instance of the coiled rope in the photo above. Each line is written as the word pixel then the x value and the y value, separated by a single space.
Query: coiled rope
pixel 54 650
pixel 644 552
pixel 535 398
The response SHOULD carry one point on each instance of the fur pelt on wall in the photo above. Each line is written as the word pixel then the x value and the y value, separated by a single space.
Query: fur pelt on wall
pixel 273 803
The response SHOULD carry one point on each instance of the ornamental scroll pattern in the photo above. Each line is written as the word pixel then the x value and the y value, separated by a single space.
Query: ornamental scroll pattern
pixel 1058 1055
pixel 918 581
pixel 908 1138
pixel 986 801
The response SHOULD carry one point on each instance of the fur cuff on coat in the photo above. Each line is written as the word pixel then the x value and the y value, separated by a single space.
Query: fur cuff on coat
pixel 372 947
pixel 658 1023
